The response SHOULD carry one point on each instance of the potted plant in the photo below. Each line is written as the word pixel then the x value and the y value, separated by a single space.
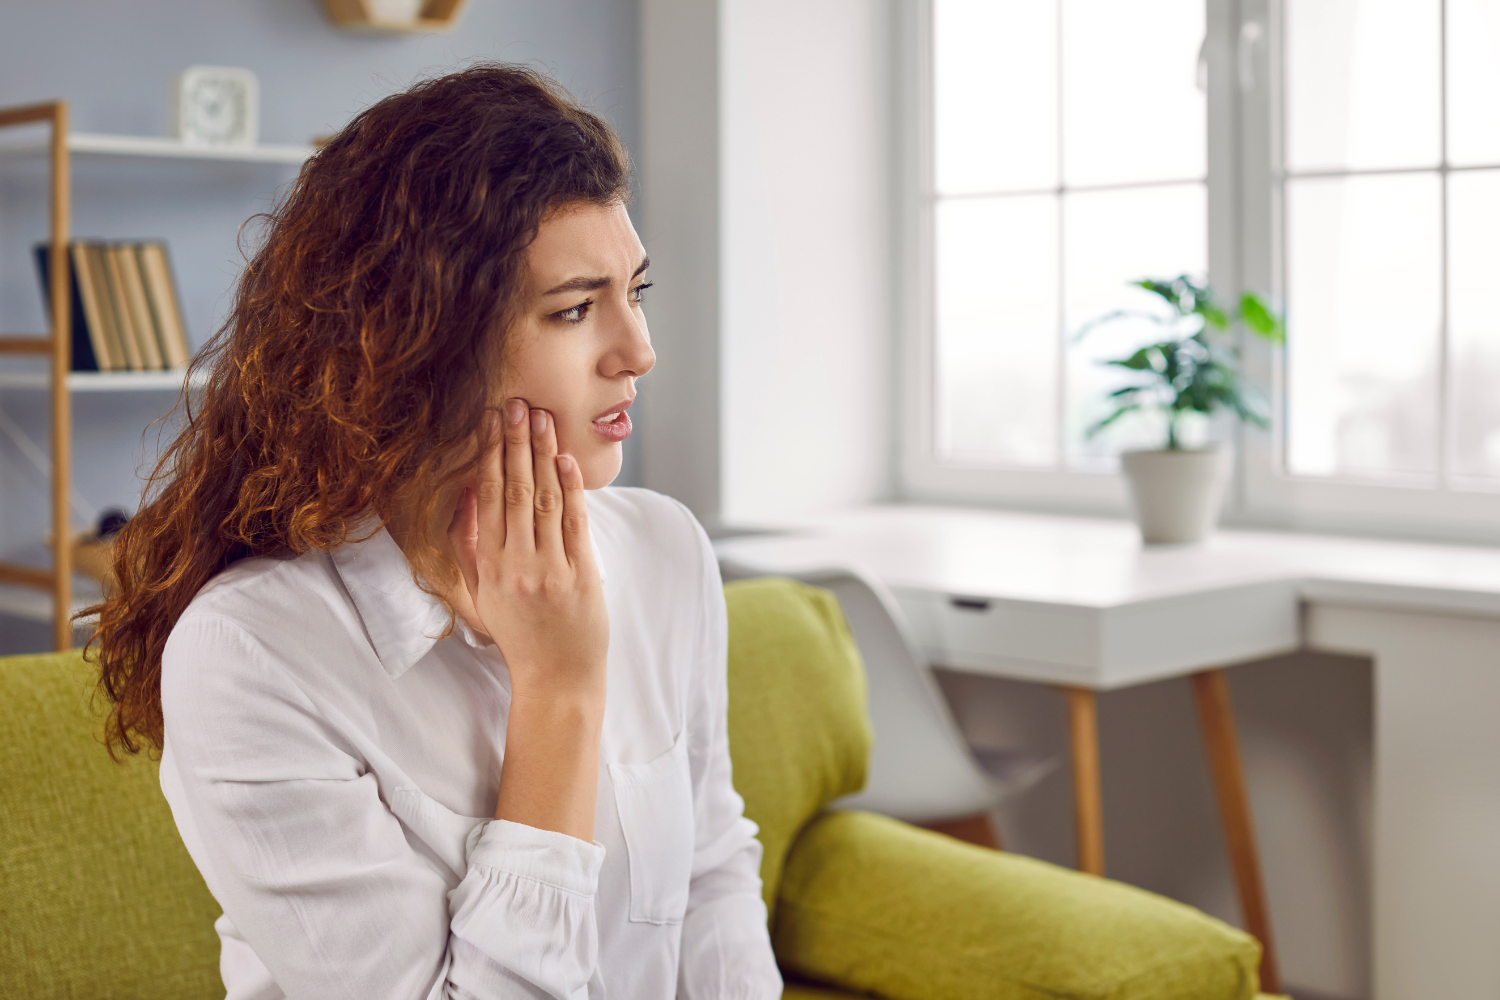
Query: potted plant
pixel 1194 368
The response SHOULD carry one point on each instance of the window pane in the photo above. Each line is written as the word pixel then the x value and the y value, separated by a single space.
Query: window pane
pixel 1474 323
pixel 1362 83
pixel 1110 239
pixel 1132 110
pixel 995 95
pixel 1473 82
pixel 997 328
pixel 1364 280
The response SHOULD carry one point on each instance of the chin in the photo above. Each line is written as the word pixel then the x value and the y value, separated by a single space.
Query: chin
pixel 601 469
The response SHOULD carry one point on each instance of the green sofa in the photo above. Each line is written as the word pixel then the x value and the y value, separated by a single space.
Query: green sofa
pixel 101 900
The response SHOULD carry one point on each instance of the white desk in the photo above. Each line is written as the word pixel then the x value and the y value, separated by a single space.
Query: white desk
pixel 1081 604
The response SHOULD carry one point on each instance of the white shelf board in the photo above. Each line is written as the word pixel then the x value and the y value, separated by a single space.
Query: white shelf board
pixel 161 147
pixel 168 381
pixel 35 604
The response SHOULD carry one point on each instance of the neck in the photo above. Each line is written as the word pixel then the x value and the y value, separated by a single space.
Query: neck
pixel 416 536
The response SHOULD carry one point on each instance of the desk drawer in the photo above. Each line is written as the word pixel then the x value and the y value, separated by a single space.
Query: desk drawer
pixel 1010 638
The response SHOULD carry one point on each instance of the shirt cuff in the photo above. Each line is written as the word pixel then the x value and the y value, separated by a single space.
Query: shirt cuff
pixel 546 856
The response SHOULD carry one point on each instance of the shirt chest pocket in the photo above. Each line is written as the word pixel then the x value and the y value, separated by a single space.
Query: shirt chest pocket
pixel 655 803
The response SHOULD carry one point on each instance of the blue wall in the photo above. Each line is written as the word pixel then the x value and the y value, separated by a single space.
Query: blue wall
pixel 115 62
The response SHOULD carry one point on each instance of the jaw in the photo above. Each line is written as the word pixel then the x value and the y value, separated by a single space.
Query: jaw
pixel 602 466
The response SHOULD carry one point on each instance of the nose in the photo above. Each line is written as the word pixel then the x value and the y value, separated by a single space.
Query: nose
pixel 629 348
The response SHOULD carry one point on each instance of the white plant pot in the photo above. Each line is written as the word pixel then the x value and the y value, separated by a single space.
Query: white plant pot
pixel 1176 494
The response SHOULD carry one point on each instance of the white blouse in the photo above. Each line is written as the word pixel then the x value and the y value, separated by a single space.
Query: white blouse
pixel 331 768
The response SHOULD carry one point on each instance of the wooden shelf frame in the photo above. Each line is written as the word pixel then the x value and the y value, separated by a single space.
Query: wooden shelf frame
pixel 56 345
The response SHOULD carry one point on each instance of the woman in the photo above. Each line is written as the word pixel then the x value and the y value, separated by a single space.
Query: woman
pixel 370 619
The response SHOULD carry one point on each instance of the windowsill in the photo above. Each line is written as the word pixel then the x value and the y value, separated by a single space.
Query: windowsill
pixel 1259 500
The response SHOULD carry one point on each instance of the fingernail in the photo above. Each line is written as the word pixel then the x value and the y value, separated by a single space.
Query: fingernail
pixel 515 411
pixel 491 424
pixel 538 421
pixel 564 464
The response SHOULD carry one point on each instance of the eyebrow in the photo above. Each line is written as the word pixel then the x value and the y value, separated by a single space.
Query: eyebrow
pixel 592 284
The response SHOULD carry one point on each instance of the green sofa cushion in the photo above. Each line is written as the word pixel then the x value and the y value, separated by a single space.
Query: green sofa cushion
pixel 798 730
pixel 100 897
pixel 874 904
pixel 801 991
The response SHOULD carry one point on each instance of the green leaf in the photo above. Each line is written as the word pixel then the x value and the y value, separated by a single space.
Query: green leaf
pixel 1180 293
pixel 1212 314
pixel 1146 359
pixel 1098 426
pixel 1162 288
pixel 1261 319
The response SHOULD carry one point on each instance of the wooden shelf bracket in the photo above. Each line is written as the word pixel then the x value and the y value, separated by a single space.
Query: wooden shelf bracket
pixel 57 345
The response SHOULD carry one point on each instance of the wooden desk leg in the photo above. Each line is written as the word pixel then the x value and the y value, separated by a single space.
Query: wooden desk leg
pixel 1088 807
pixel 978 829
pixel 1215 714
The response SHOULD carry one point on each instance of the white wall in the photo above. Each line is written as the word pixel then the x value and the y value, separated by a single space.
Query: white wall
pixel 764 162
pixel 806 406
pixel 678 408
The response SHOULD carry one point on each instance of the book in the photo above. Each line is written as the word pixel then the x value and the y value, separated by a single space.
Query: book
pixel 83 272
pixel 161 293
pixel 125 311
pixel 141 321
pixel 124 323
pixel 85 351
pixel 96 270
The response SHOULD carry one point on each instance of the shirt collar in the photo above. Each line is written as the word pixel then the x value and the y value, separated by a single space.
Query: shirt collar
pixel 402 620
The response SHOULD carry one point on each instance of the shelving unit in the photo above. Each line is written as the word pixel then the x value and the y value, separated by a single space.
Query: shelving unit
pixel 29 591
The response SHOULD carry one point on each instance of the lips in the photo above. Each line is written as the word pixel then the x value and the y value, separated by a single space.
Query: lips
pixel 614 423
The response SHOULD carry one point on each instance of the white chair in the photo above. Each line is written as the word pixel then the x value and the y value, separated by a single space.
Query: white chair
pixel 921 769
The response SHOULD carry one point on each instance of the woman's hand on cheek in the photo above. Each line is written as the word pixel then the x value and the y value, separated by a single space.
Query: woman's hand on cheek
pixel 522 542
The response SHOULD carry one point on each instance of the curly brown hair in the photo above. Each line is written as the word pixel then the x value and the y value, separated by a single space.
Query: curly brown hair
pixel 355 366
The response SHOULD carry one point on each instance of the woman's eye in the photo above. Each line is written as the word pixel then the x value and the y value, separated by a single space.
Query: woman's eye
pixel 575 314
pixel 638 293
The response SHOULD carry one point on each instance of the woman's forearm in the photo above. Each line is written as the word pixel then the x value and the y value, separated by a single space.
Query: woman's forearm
pixel 550 777
pixel 520 536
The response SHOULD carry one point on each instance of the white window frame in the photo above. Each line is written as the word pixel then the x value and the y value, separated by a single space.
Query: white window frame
pixel 1267 493
pixel 924 475
pixel 1244 108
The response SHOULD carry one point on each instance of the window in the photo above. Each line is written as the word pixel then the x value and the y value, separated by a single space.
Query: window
pixel 1391 199
pixel 1066 149
pixel 1068 156
pixel 1381 132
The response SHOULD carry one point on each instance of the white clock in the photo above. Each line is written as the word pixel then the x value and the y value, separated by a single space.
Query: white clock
pixel 216 106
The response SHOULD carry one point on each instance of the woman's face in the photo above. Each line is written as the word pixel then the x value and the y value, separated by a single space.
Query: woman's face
pixel 580 340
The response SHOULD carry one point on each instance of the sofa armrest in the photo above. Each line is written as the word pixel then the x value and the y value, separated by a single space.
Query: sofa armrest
pixel 872 904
